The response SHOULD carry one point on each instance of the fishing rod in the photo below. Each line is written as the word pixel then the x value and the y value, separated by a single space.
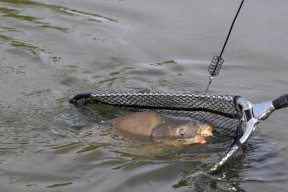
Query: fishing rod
pixel 217 61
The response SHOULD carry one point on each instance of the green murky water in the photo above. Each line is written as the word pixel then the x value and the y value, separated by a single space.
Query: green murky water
pixel 53 50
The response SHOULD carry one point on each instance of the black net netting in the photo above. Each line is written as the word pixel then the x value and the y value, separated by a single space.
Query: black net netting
pixel 220 111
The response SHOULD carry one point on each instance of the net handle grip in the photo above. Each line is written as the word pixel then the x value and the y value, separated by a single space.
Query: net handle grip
pixel 281 102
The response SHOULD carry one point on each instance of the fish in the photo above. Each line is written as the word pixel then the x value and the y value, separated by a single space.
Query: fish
pixel 171 130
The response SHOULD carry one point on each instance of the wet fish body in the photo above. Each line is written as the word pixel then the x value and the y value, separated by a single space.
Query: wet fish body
pixel 160 127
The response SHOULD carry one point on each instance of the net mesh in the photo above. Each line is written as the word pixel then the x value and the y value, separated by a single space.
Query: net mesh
pixel 220 111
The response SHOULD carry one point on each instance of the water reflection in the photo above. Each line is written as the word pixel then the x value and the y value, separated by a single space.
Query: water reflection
pixel 39 22
pixel 16 14
pixel 21 45
pixel 64 10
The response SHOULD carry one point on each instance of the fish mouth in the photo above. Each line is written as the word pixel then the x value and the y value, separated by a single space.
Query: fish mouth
pixel 206 130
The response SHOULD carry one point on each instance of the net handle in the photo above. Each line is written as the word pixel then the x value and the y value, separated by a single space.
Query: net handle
pixel 281 102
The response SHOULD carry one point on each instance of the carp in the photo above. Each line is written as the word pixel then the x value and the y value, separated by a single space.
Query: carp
pixel 170 130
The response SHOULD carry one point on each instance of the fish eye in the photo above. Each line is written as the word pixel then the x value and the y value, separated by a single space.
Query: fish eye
pixel 181 131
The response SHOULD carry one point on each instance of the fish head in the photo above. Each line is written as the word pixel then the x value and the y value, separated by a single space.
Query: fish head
pixel 186 129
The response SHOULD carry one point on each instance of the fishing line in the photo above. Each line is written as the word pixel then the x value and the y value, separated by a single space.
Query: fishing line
pixel 217 61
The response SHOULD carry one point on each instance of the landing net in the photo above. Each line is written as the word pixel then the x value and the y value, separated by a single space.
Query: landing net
pixel 222 112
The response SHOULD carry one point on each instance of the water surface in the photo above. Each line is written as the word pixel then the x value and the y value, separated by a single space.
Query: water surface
pixel 53 50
